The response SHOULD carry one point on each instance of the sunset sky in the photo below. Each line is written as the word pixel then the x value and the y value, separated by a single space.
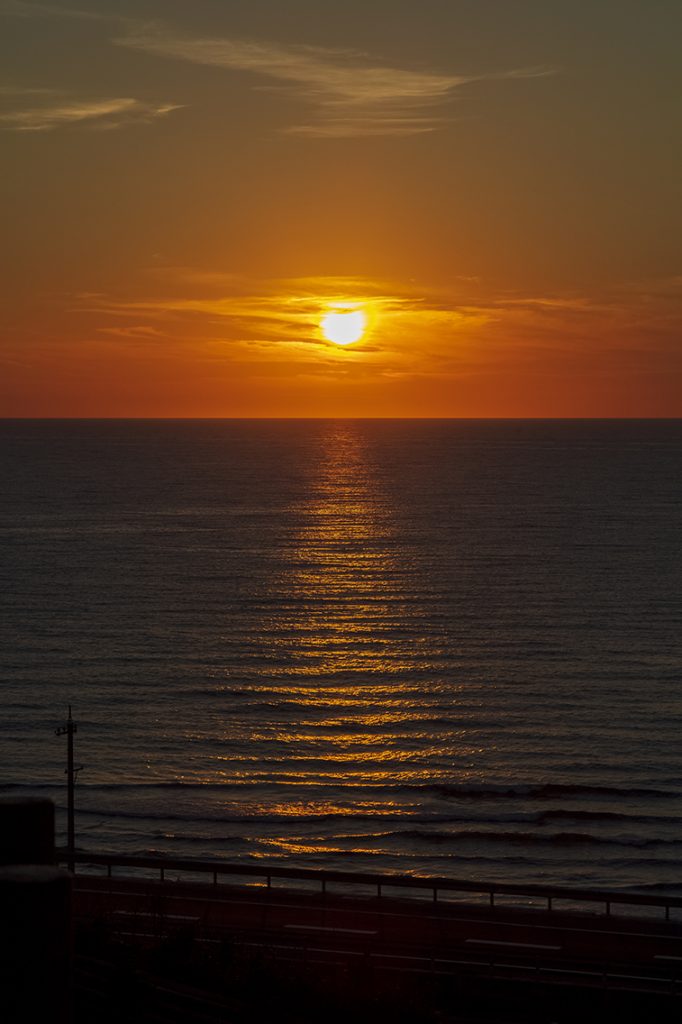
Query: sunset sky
pixel 189 189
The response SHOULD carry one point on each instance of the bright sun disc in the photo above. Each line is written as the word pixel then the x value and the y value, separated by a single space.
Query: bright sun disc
pixel 343 328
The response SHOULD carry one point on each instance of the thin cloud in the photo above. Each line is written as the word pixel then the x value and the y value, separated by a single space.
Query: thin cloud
pixel 273 326
pixel 133 331
pixel 349 94
pixel 59 111
pixel 279 312
pixel 370 124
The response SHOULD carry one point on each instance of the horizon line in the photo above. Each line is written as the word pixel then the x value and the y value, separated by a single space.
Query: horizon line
pixel 300 419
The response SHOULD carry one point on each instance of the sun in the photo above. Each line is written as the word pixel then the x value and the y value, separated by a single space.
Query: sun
pixel 343 327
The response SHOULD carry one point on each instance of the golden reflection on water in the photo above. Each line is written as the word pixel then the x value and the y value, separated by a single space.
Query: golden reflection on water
pixel 336 702
pixel 284 846
pixel 363 777
pixel 345 569
pixel 324 808
pixel 332 755
pixel 356 738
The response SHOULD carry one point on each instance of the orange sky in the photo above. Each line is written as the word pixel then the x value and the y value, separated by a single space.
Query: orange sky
pixel 190 191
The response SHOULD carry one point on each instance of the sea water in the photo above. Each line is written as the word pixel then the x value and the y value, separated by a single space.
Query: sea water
pixel 438 647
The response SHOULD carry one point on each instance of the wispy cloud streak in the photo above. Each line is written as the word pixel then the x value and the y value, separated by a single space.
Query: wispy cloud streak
pixel 350 95
pixel 57 111
pixel 348 92
pixel 410 329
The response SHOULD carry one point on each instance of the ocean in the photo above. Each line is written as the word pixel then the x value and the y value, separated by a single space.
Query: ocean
pixel 436 647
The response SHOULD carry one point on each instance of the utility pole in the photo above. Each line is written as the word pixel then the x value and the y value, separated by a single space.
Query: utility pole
pixel 68 730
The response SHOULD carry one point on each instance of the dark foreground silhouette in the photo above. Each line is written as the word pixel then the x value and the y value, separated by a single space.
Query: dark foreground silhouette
pixel 84 948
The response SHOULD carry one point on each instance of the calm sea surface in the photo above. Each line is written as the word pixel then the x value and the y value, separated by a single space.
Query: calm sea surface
pixel 442 647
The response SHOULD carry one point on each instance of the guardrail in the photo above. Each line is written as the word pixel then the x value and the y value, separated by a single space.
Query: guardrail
pixel 380 882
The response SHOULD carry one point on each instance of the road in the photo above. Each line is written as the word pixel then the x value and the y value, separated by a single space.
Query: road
pixel 619 953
